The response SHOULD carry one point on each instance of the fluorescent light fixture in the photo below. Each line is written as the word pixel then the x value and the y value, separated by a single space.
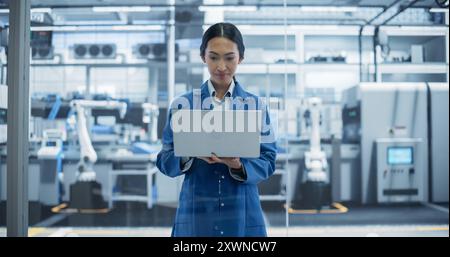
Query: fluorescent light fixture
pixel 328 9
pixel 55 28
pixel 161 8
pixel 99 28
pixel 246 27
pixel 439 10
pixel 138 27
pixel 228 8
pixel 33 10
pixel 47 10
pixel 121 8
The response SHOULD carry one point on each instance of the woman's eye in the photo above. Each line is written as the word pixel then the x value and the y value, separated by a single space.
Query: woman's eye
pixel 230 58
pixel 213 58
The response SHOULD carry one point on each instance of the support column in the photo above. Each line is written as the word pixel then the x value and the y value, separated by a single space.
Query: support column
pixel 18 115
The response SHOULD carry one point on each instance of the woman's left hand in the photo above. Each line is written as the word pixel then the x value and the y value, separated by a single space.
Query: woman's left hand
pixel 232 162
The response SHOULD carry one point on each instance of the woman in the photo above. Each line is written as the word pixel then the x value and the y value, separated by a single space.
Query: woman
pixel 219 196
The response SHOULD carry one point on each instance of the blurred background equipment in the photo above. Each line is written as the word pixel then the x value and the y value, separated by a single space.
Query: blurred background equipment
pixel 400 173
pixel 86 192
pixel 379 70
pixel 50 156
pixel 157 51
pixel 410 112
pixel 94 51
pixel 3 113
pixel 150 117
pixel 316 189
pixel 41 45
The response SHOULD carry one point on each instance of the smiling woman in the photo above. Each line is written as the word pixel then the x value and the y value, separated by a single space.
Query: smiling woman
pixel 222 50
pixel 219 196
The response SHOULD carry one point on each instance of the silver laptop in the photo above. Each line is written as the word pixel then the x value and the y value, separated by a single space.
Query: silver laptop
pixel 230 133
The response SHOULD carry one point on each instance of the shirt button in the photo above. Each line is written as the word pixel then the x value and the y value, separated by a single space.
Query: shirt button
pixel 221 232
pixel 222 204
pixel 223 177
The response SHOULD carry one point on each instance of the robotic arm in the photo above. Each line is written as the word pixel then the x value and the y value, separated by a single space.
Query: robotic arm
pixel 315 158
pixel 88 156
pixel 150 117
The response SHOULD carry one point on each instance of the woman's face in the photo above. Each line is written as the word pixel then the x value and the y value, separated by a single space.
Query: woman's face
pixel 222 58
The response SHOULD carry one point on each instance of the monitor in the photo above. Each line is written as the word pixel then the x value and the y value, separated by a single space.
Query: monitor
pixel 400 155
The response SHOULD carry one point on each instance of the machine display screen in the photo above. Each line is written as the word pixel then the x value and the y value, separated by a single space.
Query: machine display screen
pixel 3 117
pixel 399 155
pixel 51 144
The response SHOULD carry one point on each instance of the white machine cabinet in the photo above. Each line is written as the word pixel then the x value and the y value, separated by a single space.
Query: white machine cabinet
pixel 401 170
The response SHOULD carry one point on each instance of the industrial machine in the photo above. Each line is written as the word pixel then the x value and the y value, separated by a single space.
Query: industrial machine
pixel 86 192
pixel 94 51
pixel 438 113
pixel 389 112
pixel 114 127
pixel 330 121
pixel 41 45
pixel 150 117
pixel 401 174
pixel 50 157
pixel 316 189
pixel 155 51
pixel 315 159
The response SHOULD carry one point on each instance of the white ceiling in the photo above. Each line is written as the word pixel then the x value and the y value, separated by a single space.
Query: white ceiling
pixel 73 3
pixel 79 12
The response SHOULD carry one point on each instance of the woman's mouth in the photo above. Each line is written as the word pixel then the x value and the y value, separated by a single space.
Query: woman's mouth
pixel 221 75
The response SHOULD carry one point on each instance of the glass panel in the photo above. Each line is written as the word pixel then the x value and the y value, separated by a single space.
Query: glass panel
pixel 101 87
pixel 3 132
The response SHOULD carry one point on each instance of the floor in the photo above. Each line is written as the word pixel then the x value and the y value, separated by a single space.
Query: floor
pixel 135 220
pixel 294 231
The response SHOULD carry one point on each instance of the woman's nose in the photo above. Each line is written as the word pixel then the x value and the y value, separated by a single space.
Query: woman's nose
pixel 221 66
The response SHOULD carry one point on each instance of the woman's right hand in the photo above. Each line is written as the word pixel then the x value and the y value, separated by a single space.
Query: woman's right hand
pixel 233 163
pixel 209 160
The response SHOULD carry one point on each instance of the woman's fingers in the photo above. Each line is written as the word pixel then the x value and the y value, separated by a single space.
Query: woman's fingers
pixel 229 161
pixel 215 158
pixel 207 159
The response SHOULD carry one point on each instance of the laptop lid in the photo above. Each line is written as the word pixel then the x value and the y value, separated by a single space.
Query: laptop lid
pixel 229 133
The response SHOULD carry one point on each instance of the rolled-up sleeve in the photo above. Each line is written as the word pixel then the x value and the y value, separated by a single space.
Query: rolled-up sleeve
pixel 238 174
pixel 186 163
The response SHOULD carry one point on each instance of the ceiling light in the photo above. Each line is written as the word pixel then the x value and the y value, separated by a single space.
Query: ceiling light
pixel 328 9
pixel 228 8
pixel 98 28
pixel 121 8
pixel 439 10
pixel 40 10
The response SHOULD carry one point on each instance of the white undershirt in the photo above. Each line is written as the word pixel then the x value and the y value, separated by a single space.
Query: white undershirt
pixel 219 103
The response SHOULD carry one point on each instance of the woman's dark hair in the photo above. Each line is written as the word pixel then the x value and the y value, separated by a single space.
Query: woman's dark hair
pixel 226 30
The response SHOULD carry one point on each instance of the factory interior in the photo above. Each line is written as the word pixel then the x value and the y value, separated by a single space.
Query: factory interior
pixel 367 79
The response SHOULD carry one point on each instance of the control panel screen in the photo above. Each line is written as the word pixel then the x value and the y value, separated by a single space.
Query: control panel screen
pixel 400 155
pixel 3 117
pixel 50 143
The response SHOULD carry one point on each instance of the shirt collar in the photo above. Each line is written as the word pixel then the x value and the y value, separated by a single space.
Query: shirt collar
pixel 212 90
